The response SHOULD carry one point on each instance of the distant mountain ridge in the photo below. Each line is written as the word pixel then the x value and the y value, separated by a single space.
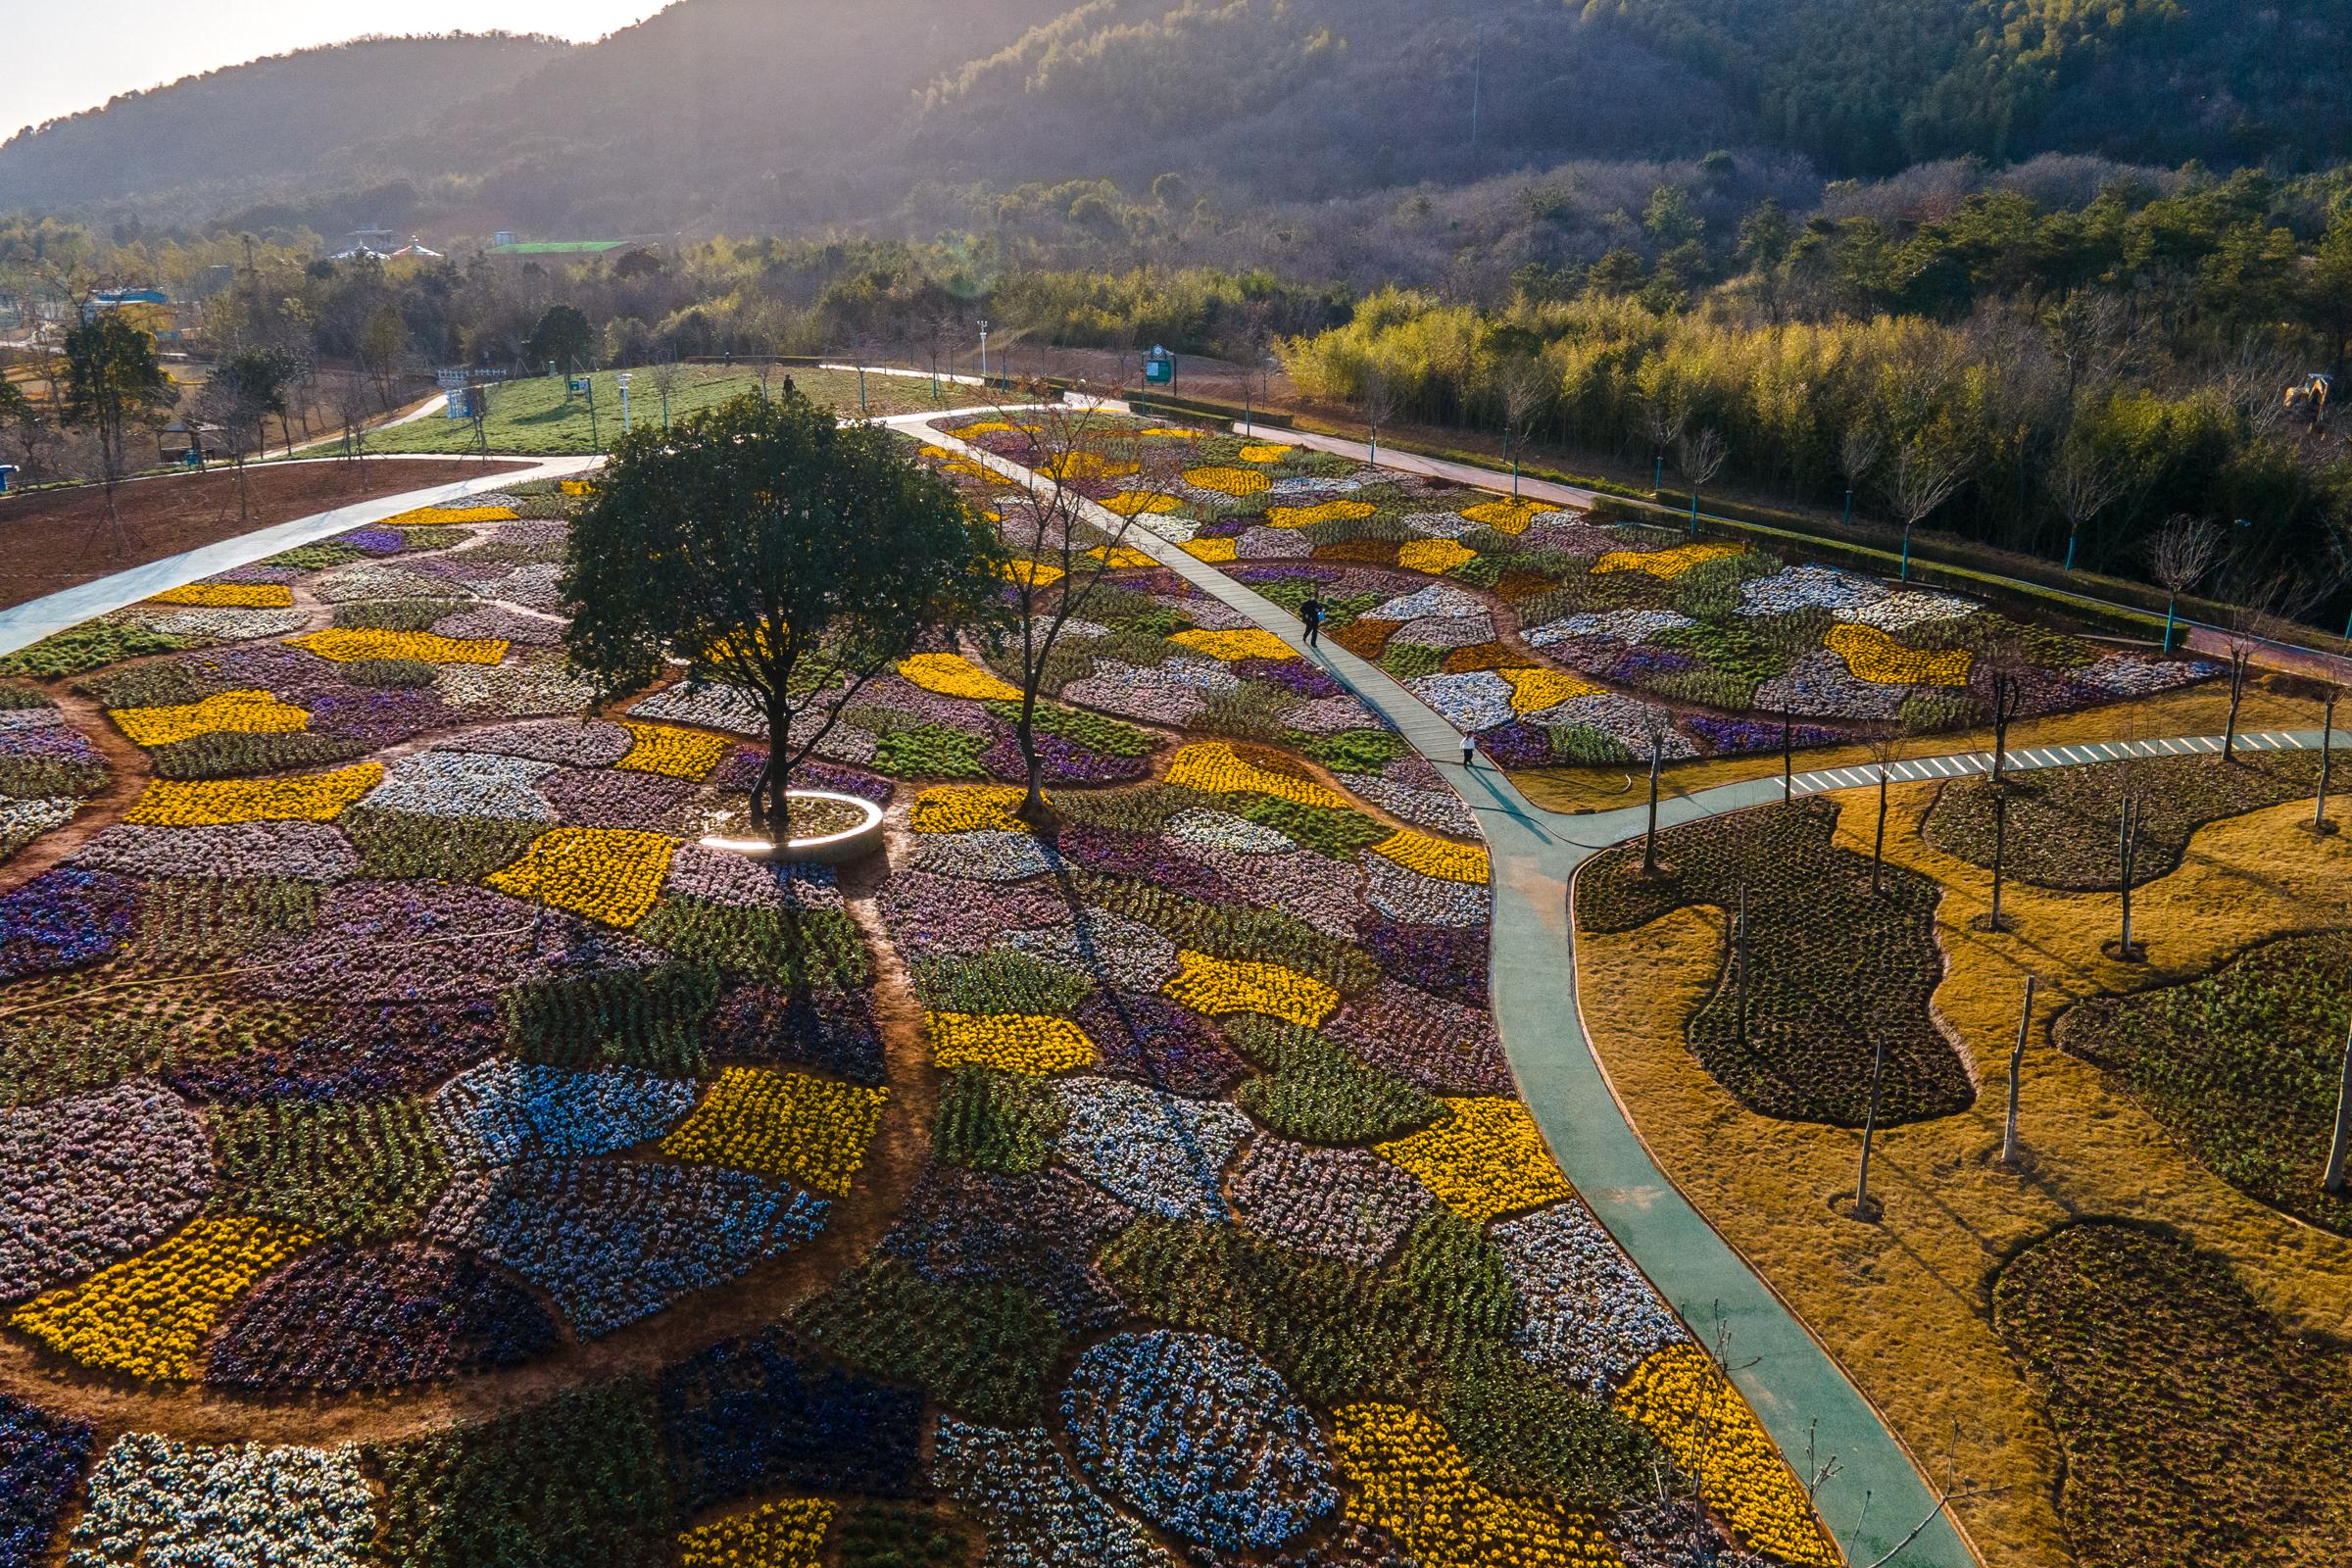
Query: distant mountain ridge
pixel 802 114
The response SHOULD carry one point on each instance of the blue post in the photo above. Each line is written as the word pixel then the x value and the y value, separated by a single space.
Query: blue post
pixel 1906 551
pixel 1850 507
pixel 2069 552
pixel 2168 623
pixel 1693 513
pixel 1657 480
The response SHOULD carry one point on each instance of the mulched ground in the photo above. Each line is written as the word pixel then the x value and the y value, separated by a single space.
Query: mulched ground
pixel 54 539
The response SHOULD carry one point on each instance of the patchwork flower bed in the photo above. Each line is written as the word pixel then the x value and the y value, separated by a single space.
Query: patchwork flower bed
pixel 47 768
pixel 1721 635
pixel 496 1062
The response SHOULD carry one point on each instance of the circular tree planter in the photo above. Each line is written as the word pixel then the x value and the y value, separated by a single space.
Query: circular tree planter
pixel 830 849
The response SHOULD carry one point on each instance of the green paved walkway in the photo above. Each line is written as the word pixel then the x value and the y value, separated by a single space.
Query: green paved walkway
pixel 1791 1382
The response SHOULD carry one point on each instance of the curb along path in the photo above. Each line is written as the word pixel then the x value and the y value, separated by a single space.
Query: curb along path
pixel 1785 1375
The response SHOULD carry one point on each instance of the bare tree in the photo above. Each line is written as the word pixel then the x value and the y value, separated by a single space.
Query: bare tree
pixel 2083 483
pixel 352 398
pixel 1699 457
pixel 2258 615
pixel 666 377
pixel 1665 415
pixel 2183 551
pixel 1528 387
pixel 1927 471
pixel 2085 335
pixel 1065 544
pixel 230 405
pixel 2127 855
pixel 1376 399
pixel 2010 1149
pixel 1866 1208
pixel 2252 377
pixel 1886 742
pixel 1657 727
pixel 1858 455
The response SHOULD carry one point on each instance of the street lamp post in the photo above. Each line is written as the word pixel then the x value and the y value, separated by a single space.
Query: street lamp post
pixel 624 402
pixel 984 356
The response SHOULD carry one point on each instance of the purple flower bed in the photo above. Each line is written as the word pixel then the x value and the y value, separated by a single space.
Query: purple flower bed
pixel 1065 761
pixel 763 1415
pixel 379 718
pixel 740 768
pixel 90 1180
pixel 356 1051
pixel 566 742
pixel 1443 1046
pixel 43 1458
pixel 1343 1203
pixel 342 1319
pixel 833 1034
pixel 1517 745
pixel 1153 1041
pixel 1634 666
pixel 1283 572
pixel 1738 737
pixel 1145 856
pixel 1290 675
pixel 932 916
pixel 1037 1233
pixel 648 802
pixel 56 740
pixel 397 941
pixel 1154 1151
pixel 374 541
pixel 65 918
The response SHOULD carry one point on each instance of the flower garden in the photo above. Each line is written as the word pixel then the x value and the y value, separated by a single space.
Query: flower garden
pixel 1149 1189
pixel 1550 634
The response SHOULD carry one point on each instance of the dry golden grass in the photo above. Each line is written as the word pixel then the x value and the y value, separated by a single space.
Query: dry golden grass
pixel 1903 1304
pixel 2199 711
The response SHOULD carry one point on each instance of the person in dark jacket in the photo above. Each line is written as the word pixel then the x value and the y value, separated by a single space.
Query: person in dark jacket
pixel 1311 612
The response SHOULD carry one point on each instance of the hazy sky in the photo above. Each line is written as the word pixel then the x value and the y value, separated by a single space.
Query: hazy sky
pixel 63 57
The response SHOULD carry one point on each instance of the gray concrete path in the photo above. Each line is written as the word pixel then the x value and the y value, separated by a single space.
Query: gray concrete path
pixel 27 624
pixel 1878 1494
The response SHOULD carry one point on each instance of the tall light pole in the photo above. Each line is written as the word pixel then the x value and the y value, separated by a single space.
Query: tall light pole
pixel 624 402
pixel 984 356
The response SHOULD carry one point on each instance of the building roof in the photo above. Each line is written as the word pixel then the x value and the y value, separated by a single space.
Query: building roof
pixel 559 247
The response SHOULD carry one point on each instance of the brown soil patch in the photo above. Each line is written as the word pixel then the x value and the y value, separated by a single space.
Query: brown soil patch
pixel 1905 1302
pixel 57 538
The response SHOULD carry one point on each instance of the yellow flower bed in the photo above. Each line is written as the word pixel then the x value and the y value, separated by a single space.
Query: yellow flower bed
pixel 1505 515
pixel 1227 481
pixel 1008 1043
pixel 1534 688
pixel 248 712
pixel 810 1131
pixel 1875 657
pixel 1213 769
pixel 1215 987
pixel 577 487
pixel 348 645
pixel 1662 564
pixel 1484 1161
pixel 1681 1398
pixel 790 1534
pixel 1327 511
pixel 1266 451
pixel 1437 556
pixel 1435 856
pixel 1140 502
pixel 973 432
pixel 447 517
pixel 1120 556
pixel 969 808
pixel 954 675
pixel 605 873
pixel 1175 432
pixel 672 752
pixel 1250 642
pixel 228 596
pixel 1035 574
pixel 221 802
pixel 1216 552
pixel 1406 1477
pixel 148 1315
pixel 1086 465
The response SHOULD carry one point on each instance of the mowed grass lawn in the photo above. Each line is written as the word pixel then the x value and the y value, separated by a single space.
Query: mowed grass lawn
pixel 533 419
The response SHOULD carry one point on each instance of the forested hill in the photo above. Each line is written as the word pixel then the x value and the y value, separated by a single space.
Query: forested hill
pixel 785 113
pixel 1866 86
pixel 278 118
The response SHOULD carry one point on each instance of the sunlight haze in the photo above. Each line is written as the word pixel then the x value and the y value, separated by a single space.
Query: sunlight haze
pixel 74 65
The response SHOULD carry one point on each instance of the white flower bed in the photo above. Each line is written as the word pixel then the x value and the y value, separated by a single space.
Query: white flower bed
pixel 1447 631
pixel 1480 700
pixel 1154 1152
pixel 1133 691
pixel 1591 1316
pixel 1623 718
pixel 1439 599
pixel 22 822
pixel 216 625
pixel 2128 676
pixel 309 850
pixel 1222 830
pixel 539 689
pixel 372 580
pixel 986 856
pixel 1416 900
pixel 155 1503
pixel 711 707
pixel 1439 810
pixel 456 784
pixel 1821 686
pixel 1909 609
pixel 1616 625
pixel 1107 948
pixel 1437 524
pixel 566 742
pixel 1326 715
pixel 1807 587
pixel 1037 1511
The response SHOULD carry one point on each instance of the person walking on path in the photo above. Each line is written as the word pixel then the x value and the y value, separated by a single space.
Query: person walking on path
pixel 1311 612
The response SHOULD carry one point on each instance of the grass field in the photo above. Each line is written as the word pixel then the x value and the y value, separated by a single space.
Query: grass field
pixel 534 418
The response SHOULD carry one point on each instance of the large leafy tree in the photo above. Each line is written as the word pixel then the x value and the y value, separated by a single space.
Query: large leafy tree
pixel 562 336
pixel 770 550
pixel 113 380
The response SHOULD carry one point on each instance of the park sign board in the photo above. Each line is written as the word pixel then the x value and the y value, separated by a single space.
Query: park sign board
pixel 1159 368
